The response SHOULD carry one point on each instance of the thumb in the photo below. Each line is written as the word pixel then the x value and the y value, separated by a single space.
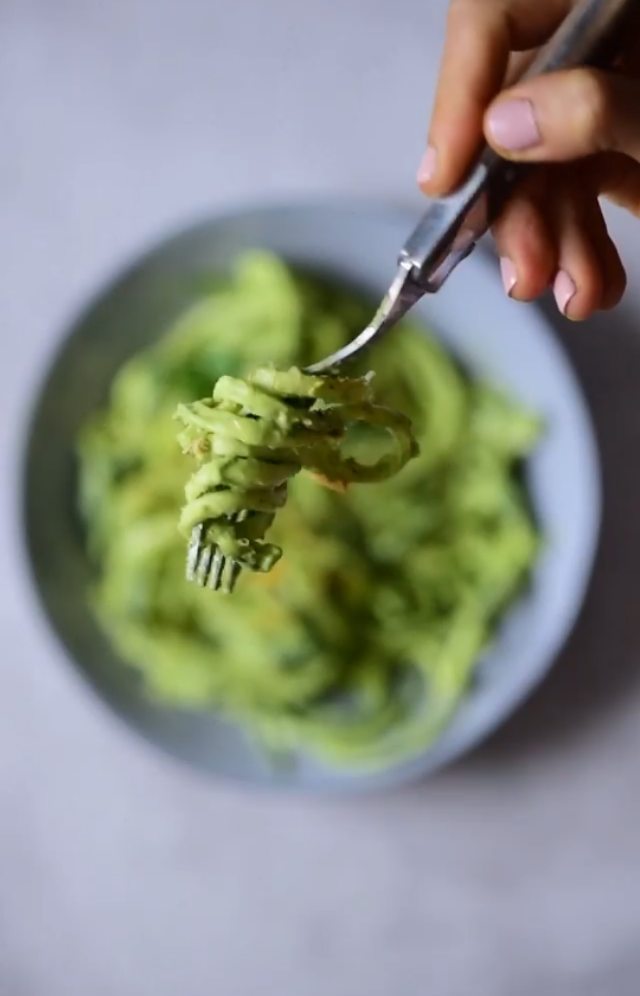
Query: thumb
pixel 566 115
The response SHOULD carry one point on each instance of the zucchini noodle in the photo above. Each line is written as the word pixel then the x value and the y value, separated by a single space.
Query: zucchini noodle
pixel 253 435
pixel 361 641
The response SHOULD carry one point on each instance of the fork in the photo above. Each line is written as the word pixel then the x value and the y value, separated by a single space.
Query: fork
pixel 206 563
pixel 448 231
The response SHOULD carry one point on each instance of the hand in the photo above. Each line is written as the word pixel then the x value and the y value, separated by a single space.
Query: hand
pixel 583 124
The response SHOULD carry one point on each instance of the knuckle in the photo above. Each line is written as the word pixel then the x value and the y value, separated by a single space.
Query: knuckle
pixel 520 220
pixel 459 13
pixel 593 107
pixel 464 14
pixel 459 7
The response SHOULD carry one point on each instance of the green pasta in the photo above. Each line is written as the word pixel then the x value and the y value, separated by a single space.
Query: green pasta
pixel 251 436
pixel 359 644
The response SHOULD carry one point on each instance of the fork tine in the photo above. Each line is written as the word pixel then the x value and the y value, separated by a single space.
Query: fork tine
pixel 217 568
pixel 193 552
pixel 204 564
pixel 233 574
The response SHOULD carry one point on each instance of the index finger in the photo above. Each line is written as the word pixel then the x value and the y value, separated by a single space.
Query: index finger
pixel 480 36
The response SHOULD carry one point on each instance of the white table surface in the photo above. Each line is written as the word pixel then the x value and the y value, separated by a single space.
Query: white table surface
pixel 515 873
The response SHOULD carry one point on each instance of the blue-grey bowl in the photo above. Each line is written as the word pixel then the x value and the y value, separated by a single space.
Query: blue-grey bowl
pixel 509 344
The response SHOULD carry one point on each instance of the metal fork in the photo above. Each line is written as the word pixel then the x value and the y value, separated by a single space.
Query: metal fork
pixel 207 565
pixel 450 227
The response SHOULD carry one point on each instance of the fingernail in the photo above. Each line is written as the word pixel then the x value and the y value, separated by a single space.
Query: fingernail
pixel 564 290
pixel 509 274
pixel 427 167
pixel 512 124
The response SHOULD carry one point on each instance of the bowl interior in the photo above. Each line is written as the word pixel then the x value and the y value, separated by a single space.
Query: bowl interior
pixel 507 343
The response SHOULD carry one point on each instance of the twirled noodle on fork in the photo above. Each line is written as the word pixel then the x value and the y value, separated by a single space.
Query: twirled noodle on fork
pixel 252 436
